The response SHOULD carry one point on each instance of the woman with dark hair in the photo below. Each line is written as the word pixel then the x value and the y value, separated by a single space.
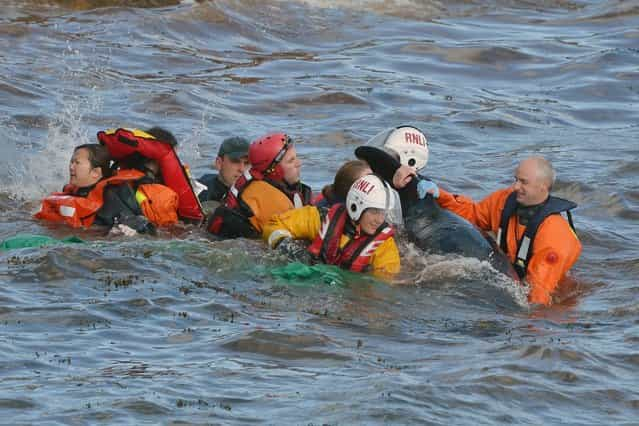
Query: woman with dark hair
pixel 96 195
pixel 336 192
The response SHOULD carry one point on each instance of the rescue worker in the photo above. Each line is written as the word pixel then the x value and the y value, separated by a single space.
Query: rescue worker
pixel 354 235
pixel 271 186
pixel 407 144
pixel 540 243
pixel 336 192
pixel 399 150
pixel 231 162
pixel 96 195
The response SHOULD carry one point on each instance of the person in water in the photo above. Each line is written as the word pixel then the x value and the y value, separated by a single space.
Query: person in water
pixel 354 235
pixel 272 185
pixel 150 167
pixel 167 185
pixel 158 202
pixel 336 192
pixel 399 151
pixel 96 194
pixel 231 162
pixel 526 219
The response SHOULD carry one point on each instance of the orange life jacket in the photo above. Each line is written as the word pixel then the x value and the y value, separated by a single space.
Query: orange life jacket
pixel 79 211
pixel 159 203
pixel 123 143
pixel 356 254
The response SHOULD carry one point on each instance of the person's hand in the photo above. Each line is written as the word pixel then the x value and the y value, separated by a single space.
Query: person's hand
pixel 403 175
pixel 121 229
pixel 295 250
pixel 138 223
pixel 425 187
pixel 277 236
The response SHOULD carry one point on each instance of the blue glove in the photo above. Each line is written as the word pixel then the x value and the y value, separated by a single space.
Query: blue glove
pixel 425 187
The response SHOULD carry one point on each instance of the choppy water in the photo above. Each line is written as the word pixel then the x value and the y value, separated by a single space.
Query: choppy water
pixel 182 330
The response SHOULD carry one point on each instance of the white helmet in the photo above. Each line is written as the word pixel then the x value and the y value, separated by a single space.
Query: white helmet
pixel 408 142
pixel 371 192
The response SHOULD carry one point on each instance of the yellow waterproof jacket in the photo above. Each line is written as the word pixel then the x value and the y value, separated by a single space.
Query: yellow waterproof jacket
pixel 304 224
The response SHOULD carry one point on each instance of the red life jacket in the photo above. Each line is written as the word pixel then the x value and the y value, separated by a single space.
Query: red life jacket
pixel 235 213
pixel 79 211
pixel 356 254
pixel 123 143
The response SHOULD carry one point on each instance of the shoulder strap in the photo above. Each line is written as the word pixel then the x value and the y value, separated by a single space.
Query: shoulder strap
pixel 234 199
pixel 336 218
pixel 554 205
pixel 352 255
pixel 509 209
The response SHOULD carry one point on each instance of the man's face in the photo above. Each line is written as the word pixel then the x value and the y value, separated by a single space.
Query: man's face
pixel 231 168
pixel 81 174
pixel 371 219
pixel 291 165
pixel 529 187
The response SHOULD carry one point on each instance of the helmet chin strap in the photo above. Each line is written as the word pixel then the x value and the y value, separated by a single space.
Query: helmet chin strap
pixel 280 155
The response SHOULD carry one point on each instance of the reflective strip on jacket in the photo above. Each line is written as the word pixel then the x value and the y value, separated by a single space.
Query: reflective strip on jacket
pixel 77 211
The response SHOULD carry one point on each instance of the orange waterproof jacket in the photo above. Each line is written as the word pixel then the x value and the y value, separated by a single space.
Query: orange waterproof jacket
pixel 79 211
pixel 556 247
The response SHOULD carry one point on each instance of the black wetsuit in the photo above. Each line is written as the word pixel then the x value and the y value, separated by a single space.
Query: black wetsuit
pixel 216 189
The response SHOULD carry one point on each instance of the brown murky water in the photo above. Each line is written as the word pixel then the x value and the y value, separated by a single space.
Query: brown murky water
pixel 182 330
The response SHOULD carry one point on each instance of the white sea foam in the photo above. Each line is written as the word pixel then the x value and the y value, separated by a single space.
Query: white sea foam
pixel 433 269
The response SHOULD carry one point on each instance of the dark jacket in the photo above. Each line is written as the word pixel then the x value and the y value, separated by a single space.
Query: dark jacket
pixel 216 190
pixel 120 207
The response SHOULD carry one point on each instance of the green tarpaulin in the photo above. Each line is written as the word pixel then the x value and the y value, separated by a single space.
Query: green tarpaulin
pixel 28 240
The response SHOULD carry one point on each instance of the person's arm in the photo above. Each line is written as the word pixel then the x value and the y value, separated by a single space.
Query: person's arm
pixel 380 162
pixel 120 207
pixel 385 165
pixel 555 250
pixel 299 224
pixel 484 214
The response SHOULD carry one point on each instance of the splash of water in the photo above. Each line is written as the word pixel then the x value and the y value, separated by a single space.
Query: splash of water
pixel 467 272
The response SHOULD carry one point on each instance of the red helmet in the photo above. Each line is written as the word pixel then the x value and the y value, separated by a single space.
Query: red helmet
pixel 265 154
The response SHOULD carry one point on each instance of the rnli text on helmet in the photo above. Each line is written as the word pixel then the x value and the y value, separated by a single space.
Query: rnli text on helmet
pixel 414 138
pixel 364 186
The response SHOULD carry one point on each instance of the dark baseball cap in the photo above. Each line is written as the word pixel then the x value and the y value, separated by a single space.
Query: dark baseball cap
pixel 235 147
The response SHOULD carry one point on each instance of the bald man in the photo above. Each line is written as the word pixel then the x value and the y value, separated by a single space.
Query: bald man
pixel 530 229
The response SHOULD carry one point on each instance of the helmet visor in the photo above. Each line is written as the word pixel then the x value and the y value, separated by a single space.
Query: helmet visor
pixel 394 208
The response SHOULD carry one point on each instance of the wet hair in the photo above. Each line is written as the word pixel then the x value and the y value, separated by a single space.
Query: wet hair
pixel 163 135
pixel 99 156
pixel 148 166
pixel 545 172
pixel 348 173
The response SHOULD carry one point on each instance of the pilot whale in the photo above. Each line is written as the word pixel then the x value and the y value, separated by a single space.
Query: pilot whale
pixel 436 230
pixel 430 227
